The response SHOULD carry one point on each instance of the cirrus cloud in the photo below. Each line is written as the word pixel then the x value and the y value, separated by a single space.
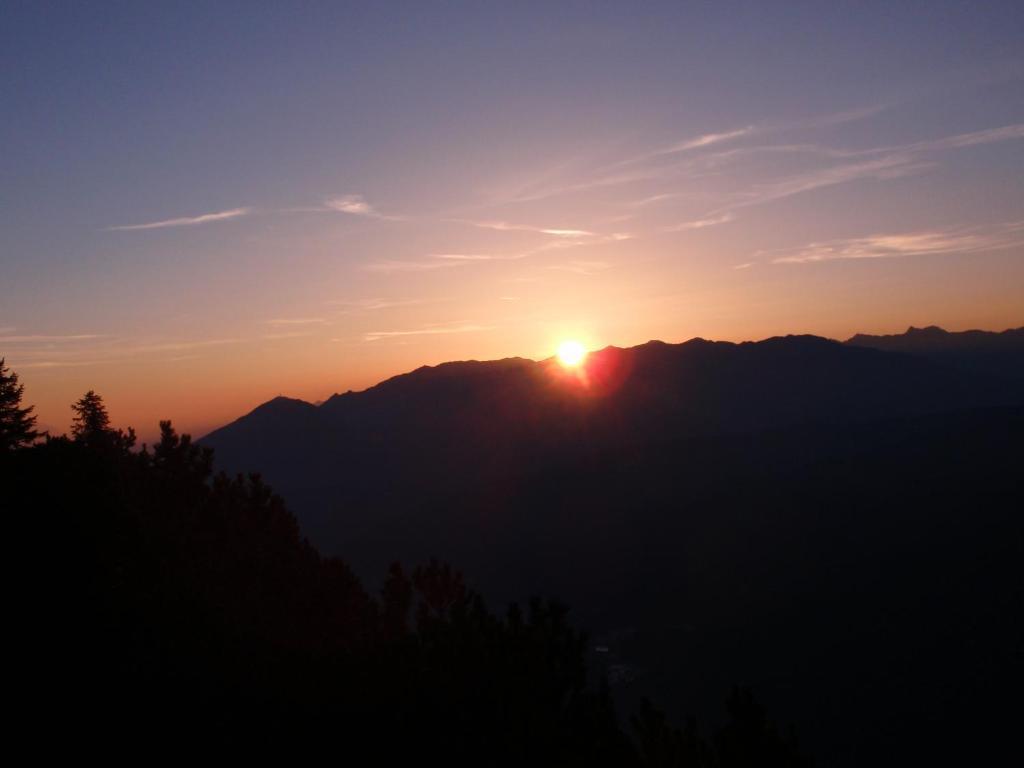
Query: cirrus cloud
pixel 927 243
pixel 185 221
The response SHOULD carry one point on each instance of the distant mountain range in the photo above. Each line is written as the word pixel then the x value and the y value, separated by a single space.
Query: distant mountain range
pixel 980 351
pixel 932 340
pixel 714 512
pixel 472 412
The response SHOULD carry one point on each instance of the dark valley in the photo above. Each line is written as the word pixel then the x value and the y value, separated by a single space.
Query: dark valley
pixel 836 525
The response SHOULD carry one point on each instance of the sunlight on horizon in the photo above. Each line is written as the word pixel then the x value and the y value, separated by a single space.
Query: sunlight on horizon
pixel 571 353
pixel 412 202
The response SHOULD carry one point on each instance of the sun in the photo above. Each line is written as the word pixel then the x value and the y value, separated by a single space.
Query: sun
pixel 571 353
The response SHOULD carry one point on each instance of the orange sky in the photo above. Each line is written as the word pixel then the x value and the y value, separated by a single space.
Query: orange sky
pixel 200 210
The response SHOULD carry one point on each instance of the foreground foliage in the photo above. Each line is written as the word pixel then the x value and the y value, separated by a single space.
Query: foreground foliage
pixel 181 610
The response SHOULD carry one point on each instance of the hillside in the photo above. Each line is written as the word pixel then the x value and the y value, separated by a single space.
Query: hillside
pixel 717 513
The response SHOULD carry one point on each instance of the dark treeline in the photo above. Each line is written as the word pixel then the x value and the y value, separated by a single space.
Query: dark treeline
pixel 174 610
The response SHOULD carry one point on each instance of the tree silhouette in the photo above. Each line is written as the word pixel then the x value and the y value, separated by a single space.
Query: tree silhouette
pixel 662 745
pixel 750 739
pixel 208 621
pixel 91 417
pixel 91 424
pixel 17 425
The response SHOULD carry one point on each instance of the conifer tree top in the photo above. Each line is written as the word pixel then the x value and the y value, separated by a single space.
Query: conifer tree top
pixel 17 424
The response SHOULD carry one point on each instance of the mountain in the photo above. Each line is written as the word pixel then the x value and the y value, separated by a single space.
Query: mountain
pixel 837 525
pixel 650 392
pixel 470 429
pixel 1000 354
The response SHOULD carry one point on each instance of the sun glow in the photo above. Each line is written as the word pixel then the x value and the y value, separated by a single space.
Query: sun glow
pixel 571 353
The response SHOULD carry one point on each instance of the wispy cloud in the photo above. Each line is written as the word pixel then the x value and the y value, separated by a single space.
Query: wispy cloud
pixel 504 226
pixel 652 199
pixel 876 163
pixel 712 221
pixel 186 221
pixel 961 140
pixel 500 226
pixel 887 167
pixel 704 141
pixel 352 204
pixel 356 205
pixel 40 338
pixel 74 350
pixel 177 346
pixel 929 243
pixel 475 256
pixel 647 165
pixel 296 321
pixel 289 335
pixel 61 363
pixel 624 171
pixel 609 177
pixel 663 166
pixel 370 305
pixel 391 267
pixel 835 118
pixel 427 331
pixel 709 139
pixel 909 151
pixel 581 267
pixel 564 239
pixel 573 233
pixel 685 145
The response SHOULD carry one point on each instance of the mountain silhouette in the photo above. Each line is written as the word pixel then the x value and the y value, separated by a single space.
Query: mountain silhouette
pixel 833 523
pixel 696 386
pixel 465 421
pixel 999 354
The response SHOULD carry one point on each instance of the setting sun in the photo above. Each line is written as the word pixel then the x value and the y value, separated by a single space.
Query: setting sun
pixel 458 330
pixel 571 353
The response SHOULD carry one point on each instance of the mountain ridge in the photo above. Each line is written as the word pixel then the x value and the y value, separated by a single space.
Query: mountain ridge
pixel 914 340
pixel 937 334
pixel 763 507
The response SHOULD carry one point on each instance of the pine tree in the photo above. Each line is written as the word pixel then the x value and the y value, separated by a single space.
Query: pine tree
pixel 92 422
pixel 91 426
pixel 17 425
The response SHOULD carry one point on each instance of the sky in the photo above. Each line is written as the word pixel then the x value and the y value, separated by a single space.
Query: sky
pixel 205 205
